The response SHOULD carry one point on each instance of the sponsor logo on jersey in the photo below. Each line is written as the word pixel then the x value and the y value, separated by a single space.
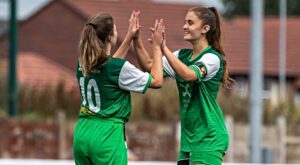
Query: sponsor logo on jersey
pixel 186 93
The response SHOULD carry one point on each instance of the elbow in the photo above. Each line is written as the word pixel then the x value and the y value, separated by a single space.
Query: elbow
pixel 147 67
pixel 157 83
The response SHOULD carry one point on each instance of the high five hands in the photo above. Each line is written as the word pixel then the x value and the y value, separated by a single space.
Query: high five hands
pixel 158 33
pixel 158 30
pixel 134 24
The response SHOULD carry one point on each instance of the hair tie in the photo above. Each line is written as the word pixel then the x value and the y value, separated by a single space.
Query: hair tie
pixel 212 9
pixel 91 24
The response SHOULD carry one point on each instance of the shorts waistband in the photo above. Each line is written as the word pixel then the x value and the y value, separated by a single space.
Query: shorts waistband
pixel 92 115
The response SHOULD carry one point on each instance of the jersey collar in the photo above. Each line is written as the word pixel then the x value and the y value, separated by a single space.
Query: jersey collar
pixel 199 55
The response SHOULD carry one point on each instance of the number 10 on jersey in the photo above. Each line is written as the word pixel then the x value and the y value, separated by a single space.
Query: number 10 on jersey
pixel 89 93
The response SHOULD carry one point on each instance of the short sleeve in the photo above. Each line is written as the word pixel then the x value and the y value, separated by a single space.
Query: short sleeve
pixel 206 67
pixel 168 70
pixel 133 79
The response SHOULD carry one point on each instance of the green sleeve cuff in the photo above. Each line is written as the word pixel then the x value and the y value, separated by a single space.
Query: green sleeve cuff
pixel 196 70
pixel 148 83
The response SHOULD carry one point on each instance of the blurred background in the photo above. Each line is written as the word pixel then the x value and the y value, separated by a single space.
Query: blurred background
pixel 40 100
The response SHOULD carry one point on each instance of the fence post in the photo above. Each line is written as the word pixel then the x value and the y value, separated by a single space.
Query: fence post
pixel 230 126
pixel 281 123
pixel 178 134
pixel 61 117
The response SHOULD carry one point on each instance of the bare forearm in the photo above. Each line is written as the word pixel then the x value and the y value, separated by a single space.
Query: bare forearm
pixel 180 68
pixel 156 68
pixel 142 55
pixel 123 49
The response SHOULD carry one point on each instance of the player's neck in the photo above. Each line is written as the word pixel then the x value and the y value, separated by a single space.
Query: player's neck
pixel 198 47
pixel 108 49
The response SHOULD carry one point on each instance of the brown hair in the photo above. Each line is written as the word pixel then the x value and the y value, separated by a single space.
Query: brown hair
pixel 93 41
pixel 210 16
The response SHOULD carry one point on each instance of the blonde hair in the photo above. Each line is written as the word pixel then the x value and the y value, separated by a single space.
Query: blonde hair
pixel 93 41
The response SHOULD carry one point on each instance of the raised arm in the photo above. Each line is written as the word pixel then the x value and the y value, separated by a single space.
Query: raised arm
pixel 180 68
pixel 133 29
pixel 156 67
pixel 142 55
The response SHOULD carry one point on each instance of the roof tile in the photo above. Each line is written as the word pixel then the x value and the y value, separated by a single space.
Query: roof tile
pixel 34 70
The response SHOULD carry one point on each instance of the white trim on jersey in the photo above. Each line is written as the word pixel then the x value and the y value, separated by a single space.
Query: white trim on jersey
pixel 132 79
pixel 212 64
pixel 167 67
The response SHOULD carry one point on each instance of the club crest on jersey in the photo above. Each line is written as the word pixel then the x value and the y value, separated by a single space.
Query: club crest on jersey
pixel 203 70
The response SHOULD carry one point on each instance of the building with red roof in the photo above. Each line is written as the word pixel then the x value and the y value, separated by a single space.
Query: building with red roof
pixel 53 32
pixel 36 71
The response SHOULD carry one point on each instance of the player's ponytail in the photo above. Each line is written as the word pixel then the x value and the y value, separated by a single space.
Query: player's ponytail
pixel 93 40
pixel 210 16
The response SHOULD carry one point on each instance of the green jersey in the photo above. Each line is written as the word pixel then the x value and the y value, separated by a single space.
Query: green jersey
pixel 202 122
pixel 106 93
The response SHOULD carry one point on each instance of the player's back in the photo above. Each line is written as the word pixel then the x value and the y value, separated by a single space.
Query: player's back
pixel 100 92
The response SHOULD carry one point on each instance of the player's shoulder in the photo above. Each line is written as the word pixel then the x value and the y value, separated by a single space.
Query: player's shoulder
pixel 113 66
pixel 79 70
pixel 213 52
pixel 184 52
pixel 115 62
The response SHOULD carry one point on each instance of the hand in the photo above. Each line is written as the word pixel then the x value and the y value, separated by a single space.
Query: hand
pixel 164 43
pixel 134 26
pixel 157 33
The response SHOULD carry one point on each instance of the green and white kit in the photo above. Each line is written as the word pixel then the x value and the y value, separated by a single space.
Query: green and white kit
pixel 106 106
pixel 204 135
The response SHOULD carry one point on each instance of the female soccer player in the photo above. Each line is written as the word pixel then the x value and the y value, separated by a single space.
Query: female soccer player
pixel 198 73
pixel 105 83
